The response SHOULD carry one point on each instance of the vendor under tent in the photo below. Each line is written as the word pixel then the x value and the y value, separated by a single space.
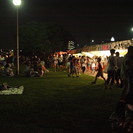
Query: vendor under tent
pixel 104 49
pixel 72 51
pixel 89 54
pixel 103 53
pixel 61 53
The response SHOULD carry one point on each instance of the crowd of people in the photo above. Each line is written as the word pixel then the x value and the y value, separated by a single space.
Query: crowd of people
pixel 7 63
pixel 122 118
pixel 119 72
pixel 76 64
pixel 34 66
pixel 118 69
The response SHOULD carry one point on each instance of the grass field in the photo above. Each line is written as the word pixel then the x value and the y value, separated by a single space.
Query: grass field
pixel 57 104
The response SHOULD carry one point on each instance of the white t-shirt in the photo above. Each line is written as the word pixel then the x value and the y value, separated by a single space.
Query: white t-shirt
pixel 111 63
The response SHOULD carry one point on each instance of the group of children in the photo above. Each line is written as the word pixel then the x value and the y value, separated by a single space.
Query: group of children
pixel 35 69
pixel 6 70
pixel 29 71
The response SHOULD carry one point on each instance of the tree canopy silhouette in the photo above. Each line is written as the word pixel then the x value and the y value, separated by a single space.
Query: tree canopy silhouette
pixel 37 38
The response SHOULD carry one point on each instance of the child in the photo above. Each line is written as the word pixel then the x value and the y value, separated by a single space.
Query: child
pixel 8 70
pixel 100 71
pixel 93 65
pixel 83 66
pixel 4 86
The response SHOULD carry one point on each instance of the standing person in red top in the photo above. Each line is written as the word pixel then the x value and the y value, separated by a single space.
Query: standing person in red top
pixel 100 71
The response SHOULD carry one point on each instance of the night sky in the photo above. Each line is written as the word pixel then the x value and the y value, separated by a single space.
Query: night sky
pixel 86 20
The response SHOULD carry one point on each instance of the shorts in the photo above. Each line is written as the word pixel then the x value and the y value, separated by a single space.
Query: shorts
pixel 100 73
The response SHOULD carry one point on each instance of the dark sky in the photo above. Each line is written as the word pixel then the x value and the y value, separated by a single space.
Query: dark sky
pixel 84 19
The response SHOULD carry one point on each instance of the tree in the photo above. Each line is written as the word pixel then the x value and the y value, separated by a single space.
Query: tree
pixel 37 38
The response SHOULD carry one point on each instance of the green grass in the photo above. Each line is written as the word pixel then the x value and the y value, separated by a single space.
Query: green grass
pixel 57 104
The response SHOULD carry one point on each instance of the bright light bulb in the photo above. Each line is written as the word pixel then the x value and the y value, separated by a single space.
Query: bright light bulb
pixel 17 2
pixel 112 39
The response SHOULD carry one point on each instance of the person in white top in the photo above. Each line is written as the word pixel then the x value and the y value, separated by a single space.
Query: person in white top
pixel 111 69
pixel 55 58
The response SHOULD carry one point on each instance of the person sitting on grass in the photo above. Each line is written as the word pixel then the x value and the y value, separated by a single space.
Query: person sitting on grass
pixel 27 69
pixel 100 71
pixel 8 70
pixel 5 86
pixel 1 69
pixel 40 72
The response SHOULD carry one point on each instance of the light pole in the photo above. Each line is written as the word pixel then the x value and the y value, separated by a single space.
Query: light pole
pixel 17 3
pixel 112 39
pixel 92 40
pixel 132 31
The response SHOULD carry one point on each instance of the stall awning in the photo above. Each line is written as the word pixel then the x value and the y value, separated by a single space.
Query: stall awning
pixel 71 51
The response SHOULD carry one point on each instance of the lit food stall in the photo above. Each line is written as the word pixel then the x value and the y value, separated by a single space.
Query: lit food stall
pixel 104 49
pixel 103 53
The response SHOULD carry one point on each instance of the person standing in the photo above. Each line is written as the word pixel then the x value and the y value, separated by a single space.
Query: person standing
pixel 124 69
pixel 83 66
pixel 111 69
pixel 55 59
pixel 118 79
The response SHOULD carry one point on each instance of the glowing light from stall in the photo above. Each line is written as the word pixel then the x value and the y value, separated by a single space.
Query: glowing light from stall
pixel 77 54
pixel 103 53
pixel 122 52
pixel 88 54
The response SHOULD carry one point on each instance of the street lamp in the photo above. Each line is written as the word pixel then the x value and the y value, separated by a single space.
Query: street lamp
pixel 92 40
pixel 112 39
pixel 17 3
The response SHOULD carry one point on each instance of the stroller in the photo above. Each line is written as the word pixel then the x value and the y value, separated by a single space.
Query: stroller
pixel 122 119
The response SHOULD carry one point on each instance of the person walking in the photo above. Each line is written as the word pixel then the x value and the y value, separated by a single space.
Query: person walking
pixel 100 71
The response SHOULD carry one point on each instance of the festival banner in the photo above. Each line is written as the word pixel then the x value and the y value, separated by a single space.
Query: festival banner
pixel 105 47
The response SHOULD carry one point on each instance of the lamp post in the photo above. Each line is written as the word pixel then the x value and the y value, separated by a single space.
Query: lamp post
pixel 92 40
pixel 132 31
pixel 17 3
pixel 112 39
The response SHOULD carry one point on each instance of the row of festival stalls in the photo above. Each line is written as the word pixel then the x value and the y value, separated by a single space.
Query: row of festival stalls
pixel 102 50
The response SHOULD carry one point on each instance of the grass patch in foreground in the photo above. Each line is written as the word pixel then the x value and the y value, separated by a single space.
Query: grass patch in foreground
pixel 57 104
